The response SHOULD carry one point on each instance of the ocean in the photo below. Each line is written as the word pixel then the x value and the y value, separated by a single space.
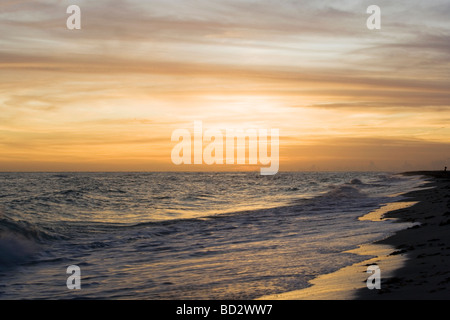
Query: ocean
pixel 182 236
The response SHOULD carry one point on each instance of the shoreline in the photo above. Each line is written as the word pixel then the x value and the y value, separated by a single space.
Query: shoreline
pixel 414 262
pixel 425 247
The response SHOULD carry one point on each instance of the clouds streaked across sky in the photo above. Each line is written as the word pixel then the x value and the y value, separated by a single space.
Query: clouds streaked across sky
pixel 107 97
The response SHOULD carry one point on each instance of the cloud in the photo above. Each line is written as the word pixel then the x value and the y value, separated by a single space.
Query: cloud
pixel 310 66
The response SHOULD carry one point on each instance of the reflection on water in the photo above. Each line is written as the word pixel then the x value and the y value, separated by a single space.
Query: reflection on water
pixel 184 235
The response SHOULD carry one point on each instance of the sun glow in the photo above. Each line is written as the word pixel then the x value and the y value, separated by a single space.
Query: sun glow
pixel 108 98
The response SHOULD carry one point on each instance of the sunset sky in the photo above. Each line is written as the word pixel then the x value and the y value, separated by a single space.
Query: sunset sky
pixel 107 97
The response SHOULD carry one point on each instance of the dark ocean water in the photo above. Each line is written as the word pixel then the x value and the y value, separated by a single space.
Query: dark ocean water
pixel 184 235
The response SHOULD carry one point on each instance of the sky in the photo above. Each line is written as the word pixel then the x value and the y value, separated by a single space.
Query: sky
pixel 107 97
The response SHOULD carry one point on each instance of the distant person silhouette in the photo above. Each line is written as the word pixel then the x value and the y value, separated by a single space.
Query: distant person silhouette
pixel 445 170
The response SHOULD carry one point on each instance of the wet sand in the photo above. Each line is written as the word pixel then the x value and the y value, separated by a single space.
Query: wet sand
pixel 414 262
pixel 426 247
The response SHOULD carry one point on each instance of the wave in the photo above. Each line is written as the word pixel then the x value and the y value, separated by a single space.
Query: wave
pixel 77 203
pixel 60 175
pixel 70 192
pixel 344 192
pixel 356 181
pixel 24 229
pixel 390 178
pixel 20 241
pixel 16 249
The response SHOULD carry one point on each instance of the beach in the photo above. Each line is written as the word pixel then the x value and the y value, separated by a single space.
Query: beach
pixel 213 236
pixel 414 262
pixel 426 247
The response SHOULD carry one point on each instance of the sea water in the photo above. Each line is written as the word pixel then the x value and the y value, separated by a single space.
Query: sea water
pixel 185 235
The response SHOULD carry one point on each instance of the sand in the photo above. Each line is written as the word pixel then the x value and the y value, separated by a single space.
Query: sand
pixel 414 262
